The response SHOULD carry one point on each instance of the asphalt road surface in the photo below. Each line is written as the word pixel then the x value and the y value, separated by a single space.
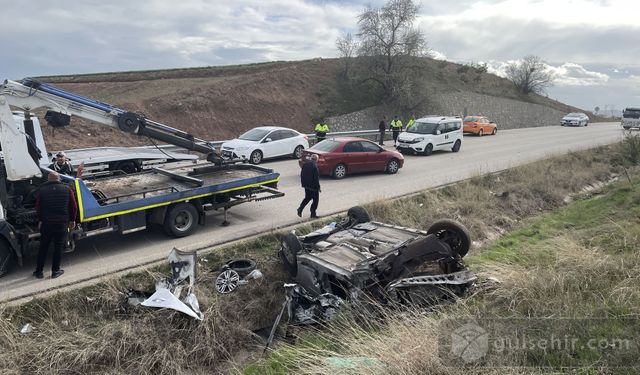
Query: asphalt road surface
pixel 99 257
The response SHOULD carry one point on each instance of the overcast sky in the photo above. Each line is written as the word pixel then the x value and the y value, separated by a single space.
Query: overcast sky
pixel 593 46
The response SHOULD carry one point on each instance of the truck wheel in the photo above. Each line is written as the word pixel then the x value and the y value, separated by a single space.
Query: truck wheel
pixel 453 234
pixel 289 250
pixel 7 258
pixel 255 157
pixel 297 153
pixel 181 220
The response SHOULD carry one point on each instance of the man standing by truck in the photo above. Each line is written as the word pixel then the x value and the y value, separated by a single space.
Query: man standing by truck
pixel 56 209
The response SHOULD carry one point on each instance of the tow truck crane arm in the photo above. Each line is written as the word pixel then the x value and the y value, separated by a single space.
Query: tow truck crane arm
pixel 30 94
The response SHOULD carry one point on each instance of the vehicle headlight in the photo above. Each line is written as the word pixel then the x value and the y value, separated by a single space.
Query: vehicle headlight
pixel 419 139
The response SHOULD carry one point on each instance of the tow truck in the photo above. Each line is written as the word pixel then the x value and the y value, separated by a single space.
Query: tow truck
pixel 175 196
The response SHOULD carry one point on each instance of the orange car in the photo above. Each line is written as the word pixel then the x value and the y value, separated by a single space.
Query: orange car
pixel 479 125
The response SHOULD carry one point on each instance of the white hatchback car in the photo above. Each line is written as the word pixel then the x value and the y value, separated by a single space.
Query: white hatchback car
pixel 430 134
pixel 265 142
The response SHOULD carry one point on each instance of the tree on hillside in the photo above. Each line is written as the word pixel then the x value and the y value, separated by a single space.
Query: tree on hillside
pixel 347 46
pixel 530 75
pixel 387 46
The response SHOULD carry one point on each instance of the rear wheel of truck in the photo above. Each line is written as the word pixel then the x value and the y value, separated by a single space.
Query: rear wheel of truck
pixel 181 220
pixel 7 258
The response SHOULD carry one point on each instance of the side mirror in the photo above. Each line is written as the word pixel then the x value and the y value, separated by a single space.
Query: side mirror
pixel 268 140
pixel 438 132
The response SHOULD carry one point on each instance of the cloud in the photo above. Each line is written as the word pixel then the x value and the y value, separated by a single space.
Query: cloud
pixel 571 74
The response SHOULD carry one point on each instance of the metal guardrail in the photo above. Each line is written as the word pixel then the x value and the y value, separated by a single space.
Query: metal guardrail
pixel 373 133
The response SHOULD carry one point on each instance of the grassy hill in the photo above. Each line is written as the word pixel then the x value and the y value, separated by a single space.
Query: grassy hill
pixel 220 102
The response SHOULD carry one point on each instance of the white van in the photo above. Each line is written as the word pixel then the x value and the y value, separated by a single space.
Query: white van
pixel 430 134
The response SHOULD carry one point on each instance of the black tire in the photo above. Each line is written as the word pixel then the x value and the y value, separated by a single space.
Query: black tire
pixel 255 157
pixel 181 220
pixel 456 146
pixel 290 247
pixel 392 166
pixel 453 234
pixel 428 150
pixel 127 166
pixel 242 266
pixel 494 131
pixel 297 152
pixel 7 258
pixel 339 171
pixel 358 214
pixel 480 132
pixel 586 123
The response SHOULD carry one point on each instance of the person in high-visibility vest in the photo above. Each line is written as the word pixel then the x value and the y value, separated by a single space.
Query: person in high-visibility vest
pixel 396 127
pixel 410 122
pixel 321 131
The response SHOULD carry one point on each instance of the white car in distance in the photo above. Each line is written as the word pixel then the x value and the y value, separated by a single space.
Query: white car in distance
pixel 575 119
pixel 265 142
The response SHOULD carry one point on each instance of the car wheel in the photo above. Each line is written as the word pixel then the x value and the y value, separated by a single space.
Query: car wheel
pixel 456 146
pixel 480 132
pixel 392 166
pixel 453 234
pixel 181 220
pixel 7 258
pixel 358 215
pixel 339 171
pixel 255 157
pixel 297 153
pixel 428 150
pixel 289 249
pixel 586 123
pixel 494 131
pixel 242 266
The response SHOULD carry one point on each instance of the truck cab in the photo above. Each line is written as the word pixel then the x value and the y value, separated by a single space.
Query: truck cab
pixel 631 118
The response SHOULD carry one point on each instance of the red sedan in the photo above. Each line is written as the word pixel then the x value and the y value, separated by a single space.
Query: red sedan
pixel 338 157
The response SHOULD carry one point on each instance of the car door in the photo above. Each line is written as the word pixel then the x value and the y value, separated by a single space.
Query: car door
pixel 439 137
pixel 272 144
pixel 374 159
pixel 353 156
pixel 289 142
pixel 484 123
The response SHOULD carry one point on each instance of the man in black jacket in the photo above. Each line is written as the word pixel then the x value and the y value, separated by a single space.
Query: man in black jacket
pixel 310 179
pixel 56 208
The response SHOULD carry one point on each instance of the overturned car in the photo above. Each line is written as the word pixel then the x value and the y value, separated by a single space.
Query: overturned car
pixel 357 257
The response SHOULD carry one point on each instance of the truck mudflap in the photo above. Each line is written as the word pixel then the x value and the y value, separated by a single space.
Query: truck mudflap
pixel 10 242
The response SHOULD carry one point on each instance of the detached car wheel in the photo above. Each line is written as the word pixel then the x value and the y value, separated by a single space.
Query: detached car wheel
pixel 290 247
pixel 453 234
pixel 358 214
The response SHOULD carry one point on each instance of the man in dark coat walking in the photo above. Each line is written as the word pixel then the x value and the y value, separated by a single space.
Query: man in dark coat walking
pixel 310 179
pixel 56 209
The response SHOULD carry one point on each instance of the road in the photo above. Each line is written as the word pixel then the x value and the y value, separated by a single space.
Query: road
pixel 99 257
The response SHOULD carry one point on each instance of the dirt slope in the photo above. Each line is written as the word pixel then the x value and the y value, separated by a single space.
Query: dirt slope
pixel 217 103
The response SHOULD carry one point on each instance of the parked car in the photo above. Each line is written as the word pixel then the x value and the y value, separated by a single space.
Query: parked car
pixel 575 119
pixel 430 134
pixel 357 257
pixel 265 142
pixel 338 157
pixel 479 125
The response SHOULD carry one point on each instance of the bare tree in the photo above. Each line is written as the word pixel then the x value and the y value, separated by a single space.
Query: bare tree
pixel 387 45
pixel 347 46
pixel 530 74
